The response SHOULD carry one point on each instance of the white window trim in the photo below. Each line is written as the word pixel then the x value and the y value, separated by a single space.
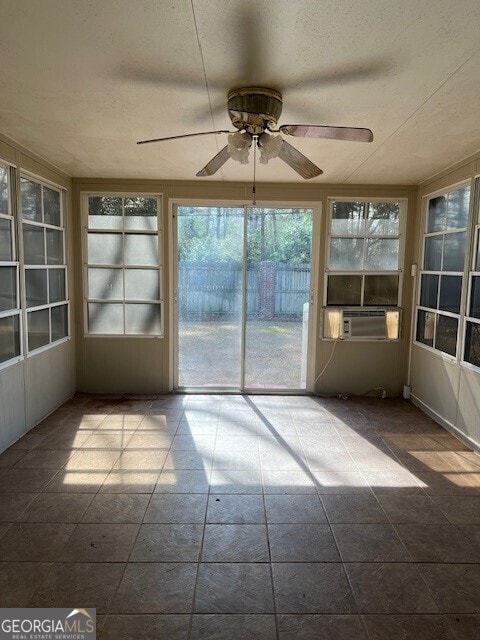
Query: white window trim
pixel 457 358
pixel 84 196
pixel 46 347
pixel 403 204
pixel 27 267
pixel 471 274
pixel 15 263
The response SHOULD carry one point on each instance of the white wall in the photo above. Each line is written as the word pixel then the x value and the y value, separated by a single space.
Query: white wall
pixel 446 389
pixel 35 386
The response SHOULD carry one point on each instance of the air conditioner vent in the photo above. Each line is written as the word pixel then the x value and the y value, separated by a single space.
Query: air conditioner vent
pixel 363 313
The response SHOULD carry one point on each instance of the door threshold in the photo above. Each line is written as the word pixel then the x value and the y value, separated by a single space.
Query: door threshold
pixel 240 392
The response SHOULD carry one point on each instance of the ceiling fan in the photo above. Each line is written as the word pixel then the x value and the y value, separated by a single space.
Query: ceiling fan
pixel 254 112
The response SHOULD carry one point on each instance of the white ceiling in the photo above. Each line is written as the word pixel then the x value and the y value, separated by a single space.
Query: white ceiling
pixel 82 80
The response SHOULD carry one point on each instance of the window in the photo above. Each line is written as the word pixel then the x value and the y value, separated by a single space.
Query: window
pixel 45 268
pixel 10 342
pixel 123 273
pixel 441 277
pixel 364 253
pixel 471 352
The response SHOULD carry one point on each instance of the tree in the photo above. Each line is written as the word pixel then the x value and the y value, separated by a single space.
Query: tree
pixel 215 234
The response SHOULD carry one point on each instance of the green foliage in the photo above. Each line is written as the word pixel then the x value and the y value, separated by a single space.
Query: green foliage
pixel 215 234
pixel 112 206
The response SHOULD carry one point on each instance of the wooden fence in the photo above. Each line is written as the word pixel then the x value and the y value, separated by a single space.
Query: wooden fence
pixel 208 290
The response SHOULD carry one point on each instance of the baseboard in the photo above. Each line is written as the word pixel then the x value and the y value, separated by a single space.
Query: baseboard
pixel 446 424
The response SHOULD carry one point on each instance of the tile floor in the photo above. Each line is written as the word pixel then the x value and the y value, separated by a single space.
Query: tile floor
pixel 235 518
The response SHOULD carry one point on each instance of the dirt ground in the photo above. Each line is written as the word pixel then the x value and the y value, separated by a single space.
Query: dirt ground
pixel 209 354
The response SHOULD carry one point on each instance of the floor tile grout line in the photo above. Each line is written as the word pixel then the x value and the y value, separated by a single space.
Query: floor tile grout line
pixel 200 553
pixel 272 582
pixel 376 496
pixel 53 564
pixel 472 563
pixel 114 595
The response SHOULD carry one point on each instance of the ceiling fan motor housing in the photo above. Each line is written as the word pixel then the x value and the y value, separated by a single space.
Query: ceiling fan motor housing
pixel 254 109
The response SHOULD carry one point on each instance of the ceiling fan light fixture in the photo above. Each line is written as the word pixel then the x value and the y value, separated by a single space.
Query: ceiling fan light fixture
pixel 255 111
pixel 239 145
pixel 269 147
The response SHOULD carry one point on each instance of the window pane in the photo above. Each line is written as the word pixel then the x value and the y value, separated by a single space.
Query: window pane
pixel 38 329
pixel 457 208
pixel 8 288
pixel 475 297
pixel 56 280
pixel 450 293
pixel 59 322
pixel 141 249
pixel 54 246
pixel 33 244
pixel 446 334
pixel 104 213
pixel 344 290
pixel 51 206
pixel 432 260
pixel 429 291
pixel 472 344
pixel 4 190
pixel 142 284
pixel 105 284
pixel 346 253
pixel 9 338
pixel 31 200
pixel 383 219
pixel 105 248
pixel 348 218
pixel 454 251
pixel 141 214
pixel 425 327
pixel 142 318
pixel 5 240
pixel 382 254
pixel 36 287
pixel 437 214
pixel 477 257
pixel 380 290
pixel 105 318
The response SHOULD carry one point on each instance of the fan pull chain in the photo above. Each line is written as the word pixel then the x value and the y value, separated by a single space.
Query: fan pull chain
pixel 254 186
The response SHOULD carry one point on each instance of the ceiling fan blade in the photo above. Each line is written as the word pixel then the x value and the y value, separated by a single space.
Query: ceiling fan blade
pixel 354 134
pixel 186 135
pixel 215 163
pixel 299 163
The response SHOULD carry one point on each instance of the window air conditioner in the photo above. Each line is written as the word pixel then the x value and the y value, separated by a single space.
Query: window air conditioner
pixel 361 323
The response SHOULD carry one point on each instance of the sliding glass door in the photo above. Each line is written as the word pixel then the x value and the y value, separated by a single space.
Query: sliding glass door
pixel 278 294
pixel 210 248
pixel 242 297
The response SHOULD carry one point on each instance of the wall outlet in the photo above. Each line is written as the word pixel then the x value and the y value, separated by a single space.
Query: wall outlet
pixel 407 392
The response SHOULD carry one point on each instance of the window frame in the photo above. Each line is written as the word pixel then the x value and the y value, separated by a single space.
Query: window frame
pixel 12 217
pixel 403 204
pixel 471 274
pixel 48 267
pixel 159 267
pixel 460 316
